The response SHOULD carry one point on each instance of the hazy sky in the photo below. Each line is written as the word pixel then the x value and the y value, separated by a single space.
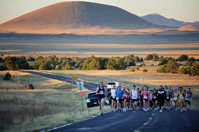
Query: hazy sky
pixel 184 10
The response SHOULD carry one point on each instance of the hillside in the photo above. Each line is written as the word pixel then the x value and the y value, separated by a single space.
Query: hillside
pixel 161 20
pixel 76 15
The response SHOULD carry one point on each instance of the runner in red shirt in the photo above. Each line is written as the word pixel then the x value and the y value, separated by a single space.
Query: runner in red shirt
pixel 189 98
pixel 124 98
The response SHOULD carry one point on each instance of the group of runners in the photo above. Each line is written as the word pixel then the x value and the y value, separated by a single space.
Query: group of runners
pixel 122 99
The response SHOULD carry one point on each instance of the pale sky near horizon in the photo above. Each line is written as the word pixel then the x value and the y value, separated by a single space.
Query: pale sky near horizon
pixel 183 10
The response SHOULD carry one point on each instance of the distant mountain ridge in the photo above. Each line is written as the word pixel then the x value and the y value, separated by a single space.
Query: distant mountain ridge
pixel 67 15
pixel 161 20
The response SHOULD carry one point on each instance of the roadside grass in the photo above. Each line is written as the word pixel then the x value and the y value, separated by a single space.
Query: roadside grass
pixel 29 111
pixel 52 103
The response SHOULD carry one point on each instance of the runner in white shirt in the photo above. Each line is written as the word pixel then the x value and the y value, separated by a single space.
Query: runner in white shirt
pixel 134 95
pixel 113 98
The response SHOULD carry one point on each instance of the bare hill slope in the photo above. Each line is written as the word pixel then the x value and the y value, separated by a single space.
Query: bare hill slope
pixel 75 15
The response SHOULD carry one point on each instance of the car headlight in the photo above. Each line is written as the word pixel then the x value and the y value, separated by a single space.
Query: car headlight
pixel 88 100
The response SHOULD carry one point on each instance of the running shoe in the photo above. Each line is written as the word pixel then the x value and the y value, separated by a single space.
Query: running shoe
pixel 160 110
pixel 101 114
pixel 181 110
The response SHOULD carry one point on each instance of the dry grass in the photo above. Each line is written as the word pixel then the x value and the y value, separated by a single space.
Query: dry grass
pixel 42 108
pixel 63 49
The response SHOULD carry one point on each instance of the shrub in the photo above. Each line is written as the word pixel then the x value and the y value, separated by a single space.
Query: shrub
pixel 30 58
pixel 131 69
pixel 137 68
pixel 7 76
pixel 183 70
pixel 191 59
pixel 1 59
pixel 152 64
pixel 145 70
pixel 143 64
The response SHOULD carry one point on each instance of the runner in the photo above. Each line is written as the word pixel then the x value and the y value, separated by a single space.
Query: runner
pixel 108 97
pixel 189 98
pixel 124 98
pixel 171 97
pixel 181 98
pixel 150 99
pixel 139 99
pixel 167 99
pixel 119 93
pixel 155 100
pixel 145 98
pixel 113 98
pixel 128 99
pixel 101 92
pixel 134 96
pixel 161 96
pixel 185 101
pixel 175 94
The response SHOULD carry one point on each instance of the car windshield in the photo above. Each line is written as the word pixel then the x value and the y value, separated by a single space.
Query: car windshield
pixel 92 95
pixel 111 83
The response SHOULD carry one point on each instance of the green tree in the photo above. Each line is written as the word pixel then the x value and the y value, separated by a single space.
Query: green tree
pixel 58 67
pixel 42 67
pixel 12 63
pixel 195 68
pixel 30 58
pixel 141 60
pixel 66 67
pixel 183 58
pixel 183 70
pixel 149 57
pixel 23 64
pixel 172 67
pixel 116 63
pixel 39 57
pixel 162 68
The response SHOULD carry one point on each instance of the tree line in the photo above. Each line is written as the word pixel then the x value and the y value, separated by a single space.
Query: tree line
pixel 167 64
pixel 64 63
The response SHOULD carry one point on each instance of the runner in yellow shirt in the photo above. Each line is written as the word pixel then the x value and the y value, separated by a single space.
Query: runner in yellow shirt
pixel 181 98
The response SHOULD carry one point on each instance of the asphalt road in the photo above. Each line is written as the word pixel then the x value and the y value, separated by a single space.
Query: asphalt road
pixel 90 86
pixel 150 121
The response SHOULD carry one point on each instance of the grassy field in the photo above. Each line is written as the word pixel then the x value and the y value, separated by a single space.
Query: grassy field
pixel 52 103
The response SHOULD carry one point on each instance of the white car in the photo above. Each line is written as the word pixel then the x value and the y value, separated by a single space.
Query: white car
pixel 111 83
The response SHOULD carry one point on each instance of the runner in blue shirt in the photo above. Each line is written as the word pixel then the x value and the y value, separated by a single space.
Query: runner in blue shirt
pixel 119 92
